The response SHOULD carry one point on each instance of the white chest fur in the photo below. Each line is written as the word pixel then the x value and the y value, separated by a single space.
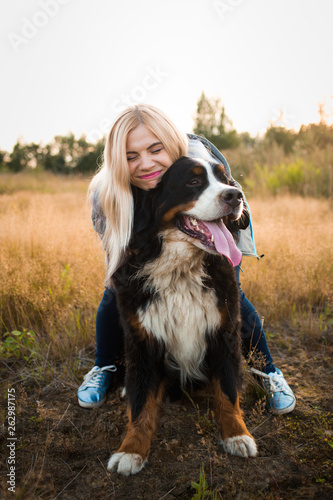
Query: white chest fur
pixel 184 309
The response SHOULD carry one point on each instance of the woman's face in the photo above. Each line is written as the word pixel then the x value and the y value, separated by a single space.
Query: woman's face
pixel 147 159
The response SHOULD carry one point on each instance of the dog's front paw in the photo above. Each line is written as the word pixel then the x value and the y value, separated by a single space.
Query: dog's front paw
pixel 241 446
pixel 128 463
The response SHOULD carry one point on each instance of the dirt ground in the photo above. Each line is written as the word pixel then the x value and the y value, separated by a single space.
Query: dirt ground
pixel 62 449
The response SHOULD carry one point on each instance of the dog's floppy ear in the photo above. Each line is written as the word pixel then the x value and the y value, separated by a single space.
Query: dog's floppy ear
pixel 148 204
pixel 143 218
pixel 142 209
pixel 144 238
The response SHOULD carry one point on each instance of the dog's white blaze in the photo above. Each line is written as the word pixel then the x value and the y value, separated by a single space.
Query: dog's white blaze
pixel 209 206
pixel 184 310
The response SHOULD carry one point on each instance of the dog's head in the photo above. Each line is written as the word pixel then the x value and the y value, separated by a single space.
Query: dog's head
pixel 199 199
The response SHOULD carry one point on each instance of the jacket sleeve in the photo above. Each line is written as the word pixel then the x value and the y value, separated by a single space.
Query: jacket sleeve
pixel 97 215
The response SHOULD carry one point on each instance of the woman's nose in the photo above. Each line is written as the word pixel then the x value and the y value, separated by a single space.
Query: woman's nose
pixel 146 162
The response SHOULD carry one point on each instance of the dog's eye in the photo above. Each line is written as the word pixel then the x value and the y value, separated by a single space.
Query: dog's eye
pixel 194 182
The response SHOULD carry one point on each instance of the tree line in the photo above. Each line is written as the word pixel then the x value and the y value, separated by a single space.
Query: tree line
pixel 212 122
pixel 68 154
pixel 63 155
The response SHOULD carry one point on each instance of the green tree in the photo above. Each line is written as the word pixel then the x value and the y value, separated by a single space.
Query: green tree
pixel 18 159
pixel 316 134
pixel 281 136
pixel 66 154
pixel 24 156
pixel 246 139
pixel 212 122
pixel 89 162
pixel 3 155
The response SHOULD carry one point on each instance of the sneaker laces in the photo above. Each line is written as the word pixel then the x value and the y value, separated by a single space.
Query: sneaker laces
pixel 274 382
pixel 94 378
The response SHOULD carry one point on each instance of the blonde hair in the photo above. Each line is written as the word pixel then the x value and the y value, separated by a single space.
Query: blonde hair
pixel 111 184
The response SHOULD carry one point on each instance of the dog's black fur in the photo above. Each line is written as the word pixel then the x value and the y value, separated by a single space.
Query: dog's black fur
pixel 150 366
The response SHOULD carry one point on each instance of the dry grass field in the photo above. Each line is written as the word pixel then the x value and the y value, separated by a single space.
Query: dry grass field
pixel 51 277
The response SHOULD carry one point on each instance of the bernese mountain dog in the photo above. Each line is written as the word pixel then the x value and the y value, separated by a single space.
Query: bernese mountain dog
pixel 179 303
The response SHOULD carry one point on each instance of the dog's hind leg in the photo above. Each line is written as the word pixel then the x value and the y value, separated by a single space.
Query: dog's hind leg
pixel 236 439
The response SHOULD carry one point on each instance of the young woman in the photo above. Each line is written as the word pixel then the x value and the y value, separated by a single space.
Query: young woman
pixel 142 144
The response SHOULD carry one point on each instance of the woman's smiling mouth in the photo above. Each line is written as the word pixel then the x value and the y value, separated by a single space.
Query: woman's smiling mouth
pixel 150 176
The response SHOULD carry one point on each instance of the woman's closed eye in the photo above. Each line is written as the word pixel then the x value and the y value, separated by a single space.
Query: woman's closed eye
pixel 157 150
pixel 152 151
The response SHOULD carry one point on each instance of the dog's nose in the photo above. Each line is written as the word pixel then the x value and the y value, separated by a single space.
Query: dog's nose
pixel 232 197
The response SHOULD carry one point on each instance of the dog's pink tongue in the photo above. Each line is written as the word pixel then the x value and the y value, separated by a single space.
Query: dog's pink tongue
pixel 224 242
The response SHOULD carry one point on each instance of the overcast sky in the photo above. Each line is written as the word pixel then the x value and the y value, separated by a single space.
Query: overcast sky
pixel 71 65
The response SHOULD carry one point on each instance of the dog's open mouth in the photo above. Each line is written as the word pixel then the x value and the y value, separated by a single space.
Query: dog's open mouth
pixel 214 235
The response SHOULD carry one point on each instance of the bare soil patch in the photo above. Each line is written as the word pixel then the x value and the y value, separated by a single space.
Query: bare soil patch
pixel 62 449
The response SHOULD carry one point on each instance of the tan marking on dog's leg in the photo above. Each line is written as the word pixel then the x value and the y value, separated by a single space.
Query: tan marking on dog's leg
pixel 132 454
pixel 236 439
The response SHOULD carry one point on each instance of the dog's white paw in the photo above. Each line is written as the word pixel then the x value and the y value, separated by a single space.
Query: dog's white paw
pixel 241 446
pixel 128 463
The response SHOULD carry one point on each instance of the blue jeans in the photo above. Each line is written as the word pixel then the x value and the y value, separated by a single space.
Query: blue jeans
pixel 254 341
pixel 110 335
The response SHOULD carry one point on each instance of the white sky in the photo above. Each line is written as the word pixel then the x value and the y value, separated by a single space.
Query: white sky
pixel 79 61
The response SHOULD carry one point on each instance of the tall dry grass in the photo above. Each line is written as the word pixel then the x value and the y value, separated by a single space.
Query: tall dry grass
pixel 293 282
pixel 52 268
pixel 52 265
pixel 42 182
